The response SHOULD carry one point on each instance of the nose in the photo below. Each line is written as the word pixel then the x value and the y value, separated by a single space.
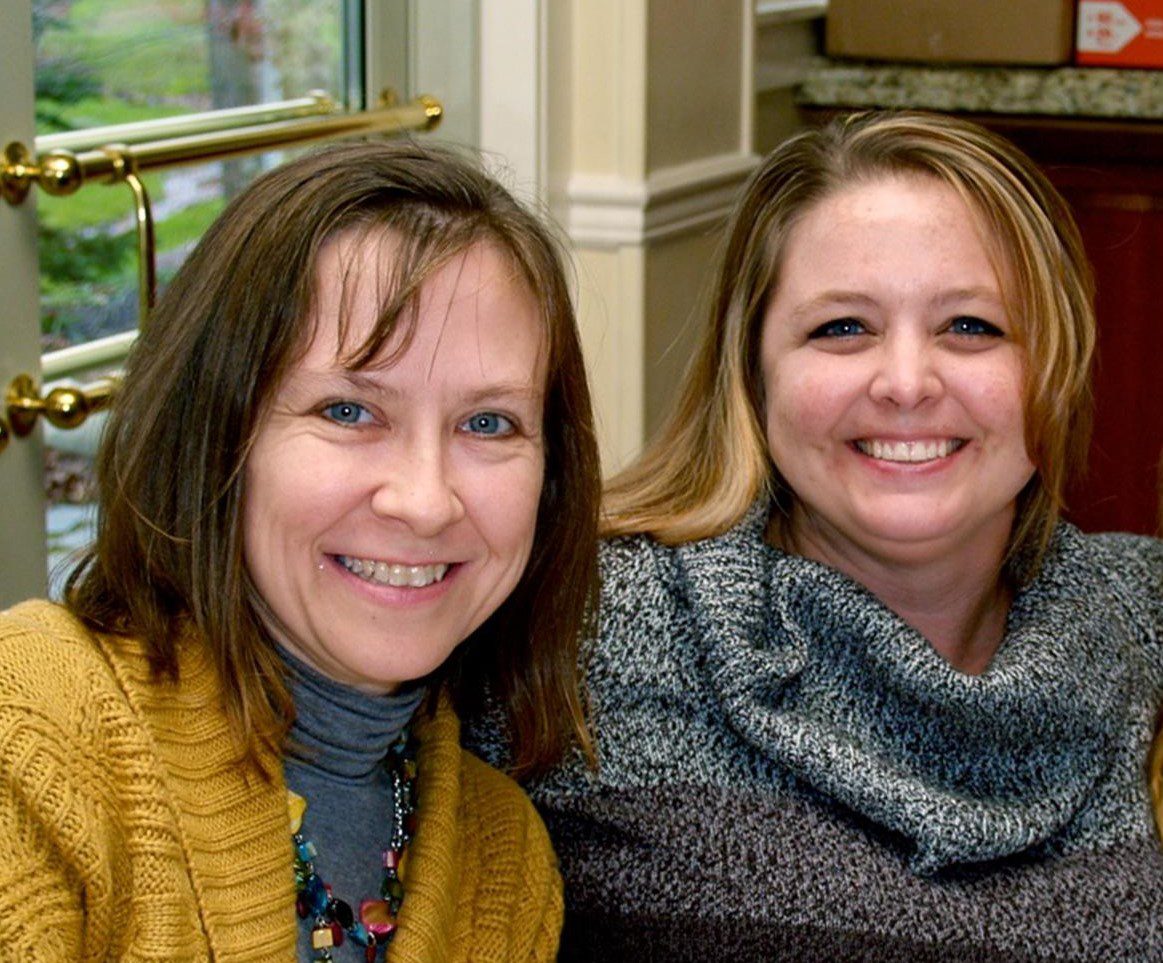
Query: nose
pixel 417 488
pixel 906 374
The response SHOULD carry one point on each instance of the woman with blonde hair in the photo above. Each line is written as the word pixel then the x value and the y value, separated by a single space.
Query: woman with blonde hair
pixel 348 486
pixel 859 692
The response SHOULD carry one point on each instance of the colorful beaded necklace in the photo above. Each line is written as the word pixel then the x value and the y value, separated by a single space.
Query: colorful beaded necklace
pixel 332 918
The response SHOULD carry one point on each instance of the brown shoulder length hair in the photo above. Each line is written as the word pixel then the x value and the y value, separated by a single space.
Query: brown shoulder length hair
pixel 710 461
pixel 168 554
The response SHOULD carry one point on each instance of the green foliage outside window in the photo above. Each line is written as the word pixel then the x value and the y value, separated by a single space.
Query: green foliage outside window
pixel 101 62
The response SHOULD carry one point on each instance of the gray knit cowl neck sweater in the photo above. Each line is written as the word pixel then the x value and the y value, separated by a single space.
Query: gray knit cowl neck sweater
pixel 780 750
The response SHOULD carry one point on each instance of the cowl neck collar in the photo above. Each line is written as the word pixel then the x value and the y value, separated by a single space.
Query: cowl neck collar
pixel 825 681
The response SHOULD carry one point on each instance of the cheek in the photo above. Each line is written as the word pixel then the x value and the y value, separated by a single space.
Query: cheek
pixel 505 505
pixel 996 397
pixel 268 517
pixel 279 495
pixel 802 406
pixel 293 494
pixel 527 500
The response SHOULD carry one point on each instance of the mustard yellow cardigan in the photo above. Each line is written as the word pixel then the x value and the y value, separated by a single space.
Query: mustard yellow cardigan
pixel 128 832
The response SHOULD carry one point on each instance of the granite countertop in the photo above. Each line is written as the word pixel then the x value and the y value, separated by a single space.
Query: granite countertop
pixel 1092 92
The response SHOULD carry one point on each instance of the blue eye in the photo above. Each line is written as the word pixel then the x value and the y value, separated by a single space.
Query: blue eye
pixel 839 328
pixel 488 423
pixel 345 412
pixel 974 327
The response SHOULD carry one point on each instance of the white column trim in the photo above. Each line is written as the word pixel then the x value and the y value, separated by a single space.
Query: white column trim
pixel 512 80
pixel 769 12
pixel 610 211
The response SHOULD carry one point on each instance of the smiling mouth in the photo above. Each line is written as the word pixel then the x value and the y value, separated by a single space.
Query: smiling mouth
pixel 398 576
pixel 909 451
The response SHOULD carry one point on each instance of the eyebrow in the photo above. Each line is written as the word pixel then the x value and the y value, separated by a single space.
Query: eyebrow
pixel 518 391
pixel 846 298
pixel 970 294
pixel 856 299
pixel 360 381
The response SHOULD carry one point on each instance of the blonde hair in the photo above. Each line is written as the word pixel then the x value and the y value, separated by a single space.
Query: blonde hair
pixel 710 461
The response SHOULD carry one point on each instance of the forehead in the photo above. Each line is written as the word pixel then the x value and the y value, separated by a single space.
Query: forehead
pixel 870 224
pixel 377 300
pixel 888 202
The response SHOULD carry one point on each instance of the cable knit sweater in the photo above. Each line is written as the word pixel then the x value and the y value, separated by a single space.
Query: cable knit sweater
pixel 130 833
pixel 790 772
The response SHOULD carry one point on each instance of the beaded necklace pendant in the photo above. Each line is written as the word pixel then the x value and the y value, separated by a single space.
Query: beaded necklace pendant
pixel 333 920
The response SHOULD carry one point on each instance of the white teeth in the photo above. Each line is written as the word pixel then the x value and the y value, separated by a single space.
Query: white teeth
pixel 385 573
pixel 910 451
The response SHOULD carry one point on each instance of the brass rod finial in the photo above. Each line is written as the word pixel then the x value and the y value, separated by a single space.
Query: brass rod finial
pixel 324 102
pixel 3 434
pixel 65 407
pixel 58 173
pixel 433 111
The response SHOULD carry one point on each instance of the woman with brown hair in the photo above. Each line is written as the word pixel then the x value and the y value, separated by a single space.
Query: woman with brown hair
pixel 858 692
pixel 348 486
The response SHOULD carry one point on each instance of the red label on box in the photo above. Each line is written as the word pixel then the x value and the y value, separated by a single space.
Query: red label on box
pixel 1119 33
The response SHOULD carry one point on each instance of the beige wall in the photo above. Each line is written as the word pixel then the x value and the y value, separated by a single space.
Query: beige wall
pixel 696 93
pixel 678 276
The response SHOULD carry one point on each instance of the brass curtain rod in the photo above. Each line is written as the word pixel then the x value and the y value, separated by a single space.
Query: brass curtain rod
pixel 62 172
pixel 315 104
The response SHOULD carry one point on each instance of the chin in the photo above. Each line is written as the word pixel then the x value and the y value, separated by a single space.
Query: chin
pixel 913 533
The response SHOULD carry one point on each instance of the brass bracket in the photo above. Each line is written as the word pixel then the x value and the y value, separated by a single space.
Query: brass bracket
pixel 125 171
pixel 17 174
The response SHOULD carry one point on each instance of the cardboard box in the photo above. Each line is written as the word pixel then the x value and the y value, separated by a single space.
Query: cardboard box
pixel 952 31
pixel 1119 33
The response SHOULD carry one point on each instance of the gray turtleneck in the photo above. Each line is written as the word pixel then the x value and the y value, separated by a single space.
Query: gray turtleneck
pixel 338 740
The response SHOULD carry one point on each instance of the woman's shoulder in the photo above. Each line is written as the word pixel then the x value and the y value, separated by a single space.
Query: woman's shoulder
pixel 1144 553
pixel 63 714
pixel 636 572
pixel 1128 565
pixel 644 578
pixel 39 618
pixel 1116 573
pixel 47 649
pixel 63 684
